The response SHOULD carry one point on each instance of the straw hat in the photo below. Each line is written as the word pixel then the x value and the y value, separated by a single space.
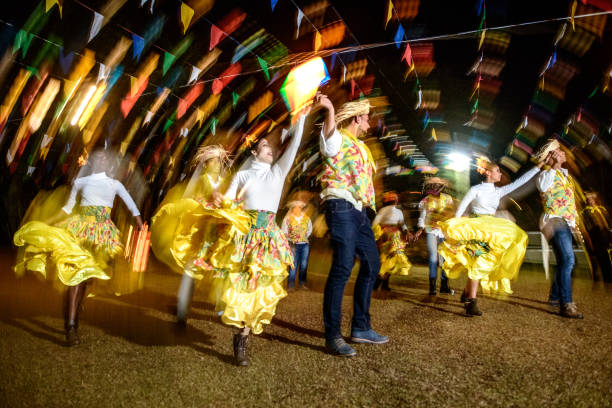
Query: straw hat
pixel 206 153
pixel 352 109
pixel 435 180
pixel 550 146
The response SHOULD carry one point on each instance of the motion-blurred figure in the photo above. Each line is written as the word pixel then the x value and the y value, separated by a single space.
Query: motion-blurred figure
pixel 435 207
pixel 595 217
pixel 390 230
pixel 558 192
pixel 297 227
pixel 81 247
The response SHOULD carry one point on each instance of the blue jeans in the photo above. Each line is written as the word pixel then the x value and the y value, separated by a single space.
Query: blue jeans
pixel 561 289
pixel 351 234
pixel 432 247
pixel 300 260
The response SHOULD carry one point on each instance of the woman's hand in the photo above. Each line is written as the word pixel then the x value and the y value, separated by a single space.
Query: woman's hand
pixel 217 199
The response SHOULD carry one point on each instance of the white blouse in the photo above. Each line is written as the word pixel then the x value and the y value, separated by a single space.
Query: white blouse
pixel 260 185
pixel 390 215
pixel 485 197
pixel 99 190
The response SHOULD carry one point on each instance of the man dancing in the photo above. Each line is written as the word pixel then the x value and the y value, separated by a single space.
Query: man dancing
pixel 348 167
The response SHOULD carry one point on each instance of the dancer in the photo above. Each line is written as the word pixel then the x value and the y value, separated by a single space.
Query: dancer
pixel 297 227
pixel 75 250
pixel 390 230
pixel 348 168
pixel 558 191
pixel 179 228
pixel 483 246
pixel 435 207
pixel 250 268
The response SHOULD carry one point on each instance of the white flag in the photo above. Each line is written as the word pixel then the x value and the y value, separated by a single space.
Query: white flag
pixel 95 26
pixel 195 74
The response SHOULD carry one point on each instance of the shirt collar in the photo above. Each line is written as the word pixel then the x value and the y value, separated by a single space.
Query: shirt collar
pixel 259 165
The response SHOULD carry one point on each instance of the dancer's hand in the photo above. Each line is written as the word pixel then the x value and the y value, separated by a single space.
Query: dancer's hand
pixel 217 199
pixel 322 101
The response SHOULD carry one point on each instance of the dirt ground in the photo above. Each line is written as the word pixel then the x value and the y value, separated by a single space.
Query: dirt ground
pixel 133 355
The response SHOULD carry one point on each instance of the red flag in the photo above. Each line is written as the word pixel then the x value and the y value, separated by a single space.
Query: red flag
pixel 215 36
pixel 226 77
pixel 226 26
pixel 407 55
pixel 128 102
pixel 189 98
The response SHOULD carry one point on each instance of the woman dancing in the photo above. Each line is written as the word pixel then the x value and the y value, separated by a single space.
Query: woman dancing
pixel 80 248
pixel 482 245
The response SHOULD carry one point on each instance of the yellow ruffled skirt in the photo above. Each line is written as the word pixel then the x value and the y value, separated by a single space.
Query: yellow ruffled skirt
pixel 77 249
pixel 391 246
pixel 484 247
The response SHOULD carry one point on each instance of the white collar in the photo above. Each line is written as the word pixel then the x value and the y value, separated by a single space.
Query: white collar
pixel 259 165
pixel 212 182
pixel 98 175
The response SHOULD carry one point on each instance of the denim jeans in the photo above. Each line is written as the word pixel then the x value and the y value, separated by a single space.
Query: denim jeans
pixel 351 234
pixel 300 260
pixel 561 288
pixel 432 246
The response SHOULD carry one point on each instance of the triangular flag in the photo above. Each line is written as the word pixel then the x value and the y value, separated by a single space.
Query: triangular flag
pixel 133 85
pixel 433 134
pixel 168 61
pixel 213 126
pixel 482 37
pixel 407 55
pixel 264 66
pixel 95 26
pixel 389 13
pixel 102 73
pixel 300 16
pixel 168 123
pixel 148 117
pixel 50 3
pixel 216 36
pixel 273 4
pixel 235 98
pixel 65 60
pixel 333 62
pixel 186 16
pixel 574 4
pixel 317 41
pixel 142 2
pixel 399 36
pixel 138 44
pixel 353 84
pixel 22 41
pixel 195 74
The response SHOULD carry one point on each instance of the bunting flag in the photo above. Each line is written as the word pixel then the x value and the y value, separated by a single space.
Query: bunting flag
pixel 235 98
pixel 273 4
pixel 127 103
pixel 195 74
pixel 433 134
pixel 399 36
pixel 573 13
pixel 65 60
pixel 96 25
pixel 50 3
pixel 103 73
pixel 226 77
pixel 333 61
pixel 300 16
pixel 168 61
pixel 213 126
pixel 407 55
pixel 482 37
pixel 186 16
pixel 138 45
pixel 189 98
pixel 22 41
pixel 389 13
pixel 264 66
pixel 225 27
pixel 317 41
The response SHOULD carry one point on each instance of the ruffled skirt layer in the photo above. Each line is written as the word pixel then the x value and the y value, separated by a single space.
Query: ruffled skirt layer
pixel 483 247
pixel 391 246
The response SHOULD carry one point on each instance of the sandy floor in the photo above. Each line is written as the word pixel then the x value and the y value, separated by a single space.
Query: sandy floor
pixel 516 354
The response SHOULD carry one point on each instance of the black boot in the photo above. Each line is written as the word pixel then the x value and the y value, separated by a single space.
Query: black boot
pixel 72 335
pixel 444 288
pixel 432 286
pixel 471 308
pixel 385 285
pixel 464 297
pixel 240 349
pixel 377 283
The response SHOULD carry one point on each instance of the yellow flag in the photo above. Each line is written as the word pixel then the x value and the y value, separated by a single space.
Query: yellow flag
pixel 317 41
pixel 186 16
pixel 133 85
pixel 482 37
pixel 50 3
pixel 574 5
pixel 433 134
pixel 389 13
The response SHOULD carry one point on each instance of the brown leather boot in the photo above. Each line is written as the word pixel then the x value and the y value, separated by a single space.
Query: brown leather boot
pixel 471 308
pixel 240 349
pixel 571 311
